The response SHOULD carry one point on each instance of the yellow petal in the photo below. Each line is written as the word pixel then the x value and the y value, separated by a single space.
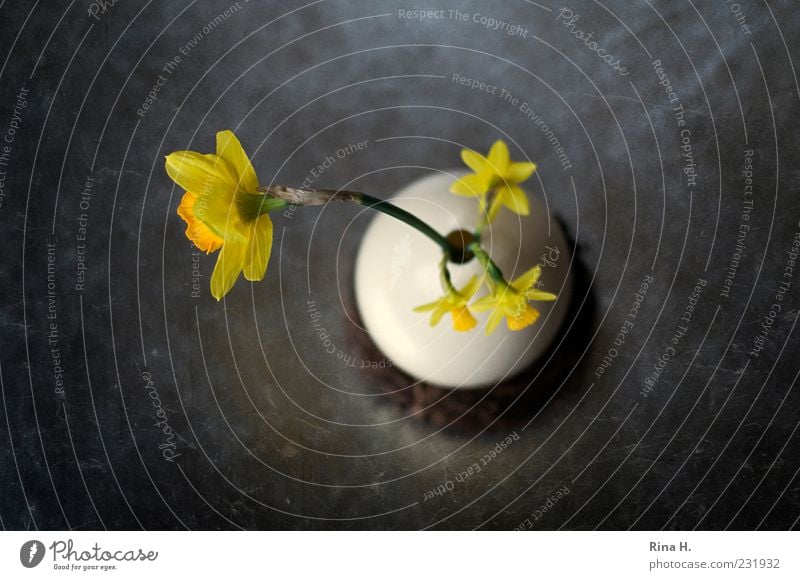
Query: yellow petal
pixel 470 185
pixel 438 312
pixel 498 157
pixel 494 207
pixel 485 303
pixel 427 307
pixel 229 266
pixel 527 317
pixel 463 319
pixel 494 319
pixel 470 287
pixel 514 198
pixel 528 280
pixel 259 249
pixel 526 284
pixel 222 216
pixel 229 149
pixel 201 174
pixel 519 172
pixel 540 296
pixel 475 161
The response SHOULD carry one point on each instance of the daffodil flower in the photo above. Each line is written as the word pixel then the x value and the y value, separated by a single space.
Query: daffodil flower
pixel 498 174
pixel 455 302
pixel 224 210
pixel 510 300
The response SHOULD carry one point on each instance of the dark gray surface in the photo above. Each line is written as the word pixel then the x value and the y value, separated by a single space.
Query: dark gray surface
pixel 273 432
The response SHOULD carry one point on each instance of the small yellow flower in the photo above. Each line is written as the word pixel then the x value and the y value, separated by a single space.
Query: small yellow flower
pixel 511 301
pixel 454 302
pixel 495 172
pixel 218 210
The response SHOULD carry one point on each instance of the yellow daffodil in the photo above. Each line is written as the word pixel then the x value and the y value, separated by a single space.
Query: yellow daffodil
pixel 511 301
pixel 223 209
pixel 454 302
pixel 498 174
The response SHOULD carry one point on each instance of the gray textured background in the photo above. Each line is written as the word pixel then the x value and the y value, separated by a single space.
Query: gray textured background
pixel 273 432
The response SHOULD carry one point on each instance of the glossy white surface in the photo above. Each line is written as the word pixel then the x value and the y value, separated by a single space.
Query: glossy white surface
pixel 397 269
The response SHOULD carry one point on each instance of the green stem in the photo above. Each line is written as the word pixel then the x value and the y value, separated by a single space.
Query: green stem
pixel 409 219
pixel 495 274
pixel 313 196
pixel 444 275
pixel 484 211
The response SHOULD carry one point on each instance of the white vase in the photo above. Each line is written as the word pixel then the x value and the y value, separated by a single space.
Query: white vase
pixel 397 269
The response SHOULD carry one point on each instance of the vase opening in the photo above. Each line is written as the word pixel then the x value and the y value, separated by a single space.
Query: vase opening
pixel 460 239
